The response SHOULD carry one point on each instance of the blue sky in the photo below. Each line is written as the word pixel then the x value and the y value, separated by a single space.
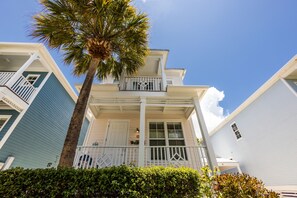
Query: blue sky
pixel 232 45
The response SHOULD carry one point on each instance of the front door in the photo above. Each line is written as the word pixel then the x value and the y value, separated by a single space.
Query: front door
pixel 114 153
pixel 117 133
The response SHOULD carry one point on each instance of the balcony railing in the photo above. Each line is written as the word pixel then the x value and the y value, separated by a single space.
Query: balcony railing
pixel 106 156
pixel 20 86
pixel 142 83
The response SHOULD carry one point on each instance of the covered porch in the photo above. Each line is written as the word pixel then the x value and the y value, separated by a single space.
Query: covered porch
pixel 160 131
pixel 19 78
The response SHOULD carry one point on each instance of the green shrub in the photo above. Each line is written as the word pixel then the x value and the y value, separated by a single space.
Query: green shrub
pixel 124 181
pixel 120 181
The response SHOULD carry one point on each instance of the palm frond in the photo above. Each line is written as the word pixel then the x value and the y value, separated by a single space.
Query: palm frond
pixel 70 25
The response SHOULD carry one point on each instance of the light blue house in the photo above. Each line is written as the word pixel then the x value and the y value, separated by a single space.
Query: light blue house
pixel 261 134
pixel 36 104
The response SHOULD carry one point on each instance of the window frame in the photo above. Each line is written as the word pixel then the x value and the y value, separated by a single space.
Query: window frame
pixel 33 75
pixel 7 119
pixel 235 131
pixel 167 139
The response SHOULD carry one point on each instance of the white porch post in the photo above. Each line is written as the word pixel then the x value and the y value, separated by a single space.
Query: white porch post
pixel 164 82
pixel 32 58
pixel 210 152
pixel 141 151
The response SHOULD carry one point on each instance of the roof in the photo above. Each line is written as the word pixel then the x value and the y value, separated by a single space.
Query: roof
pixel 288 71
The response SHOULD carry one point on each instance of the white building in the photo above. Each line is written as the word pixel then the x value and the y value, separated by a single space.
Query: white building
pixel 261 134
pixel 144 120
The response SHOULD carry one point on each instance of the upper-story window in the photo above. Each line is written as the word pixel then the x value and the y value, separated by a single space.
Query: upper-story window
pixel 32 78
pixel 169 82
pixel 3 120
pixel 236 131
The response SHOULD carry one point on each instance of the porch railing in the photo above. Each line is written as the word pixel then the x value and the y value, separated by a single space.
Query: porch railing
pixel 106 156
pixel 5 76
pixel 21 86
pixel 176 156
pixel 142 83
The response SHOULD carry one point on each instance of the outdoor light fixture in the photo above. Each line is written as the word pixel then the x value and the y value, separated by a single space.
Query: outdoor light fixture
pixel 137 130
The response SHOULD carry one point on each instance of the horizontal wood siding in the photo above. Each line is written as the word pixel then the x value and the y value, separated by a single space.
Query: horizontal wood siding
pixel 14 114
pixel 99 127
pixel 38 138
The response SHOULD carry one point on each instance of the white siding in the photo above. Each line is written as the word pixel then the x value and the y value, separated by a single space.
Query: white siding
pixel 99 127
pixel 268 148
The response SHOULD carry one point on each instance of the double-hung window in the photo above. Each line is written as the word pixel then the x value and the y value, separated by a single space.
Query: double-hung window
pixel 167 141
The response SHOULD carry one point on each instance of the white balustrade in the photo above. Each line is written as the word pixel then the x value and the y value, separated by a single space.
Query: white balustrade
pixel 142 83
pixel 21 86
pixel 5 76
pixel 100 157
pixel 174 156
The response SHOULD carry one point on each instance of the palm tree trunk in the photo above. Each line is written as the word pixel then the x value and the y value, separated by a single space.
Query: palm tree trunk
pixel 71 140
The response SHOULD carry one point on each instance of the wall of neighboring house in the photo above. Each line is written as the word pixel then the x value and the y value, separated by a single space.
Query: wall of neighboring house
pixel 38 138
pixel 268 127
pixel 99 128
pixel 293 84
pixel 13 115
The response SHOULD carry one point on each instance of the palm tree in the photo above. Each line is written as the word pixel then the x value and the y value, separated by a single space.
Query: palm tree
pixel 99 37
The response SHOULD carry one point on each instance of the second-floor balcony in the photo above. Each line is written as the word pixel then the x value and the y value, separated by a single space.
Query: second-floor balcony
pixel 19 85
pixel 142 83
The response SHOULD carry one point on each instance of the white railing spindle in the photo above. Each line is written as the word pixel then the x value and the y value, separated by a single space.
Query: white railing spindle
pixel 142 83
pixel 21 87
pixel 176 156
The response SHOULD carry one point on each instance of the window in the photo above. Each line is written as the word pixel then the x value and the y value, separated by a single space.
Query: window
pixel 3 120
pixel 170 134
pixel 32 78
pixel 236 131
pixel 169 82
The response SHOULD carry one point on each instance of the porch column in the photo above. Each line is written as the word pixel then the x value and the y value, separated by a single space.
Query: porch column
pixel 210 152
pixel 32 58
pixel 164 82
pixel 141 151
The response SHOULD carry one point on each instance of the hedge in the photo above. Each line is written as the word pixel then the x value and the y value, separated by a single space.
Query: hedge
pixel 119 181
pixel 125 181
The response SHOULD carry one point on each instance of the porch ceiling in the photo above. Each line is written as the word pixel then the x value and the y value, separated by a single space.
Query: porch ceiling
pixel 14 62
pixel 154 105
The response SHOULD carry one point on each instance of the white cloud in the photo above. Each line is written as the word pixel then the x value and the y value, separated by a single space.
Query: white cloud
pixel 213 113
